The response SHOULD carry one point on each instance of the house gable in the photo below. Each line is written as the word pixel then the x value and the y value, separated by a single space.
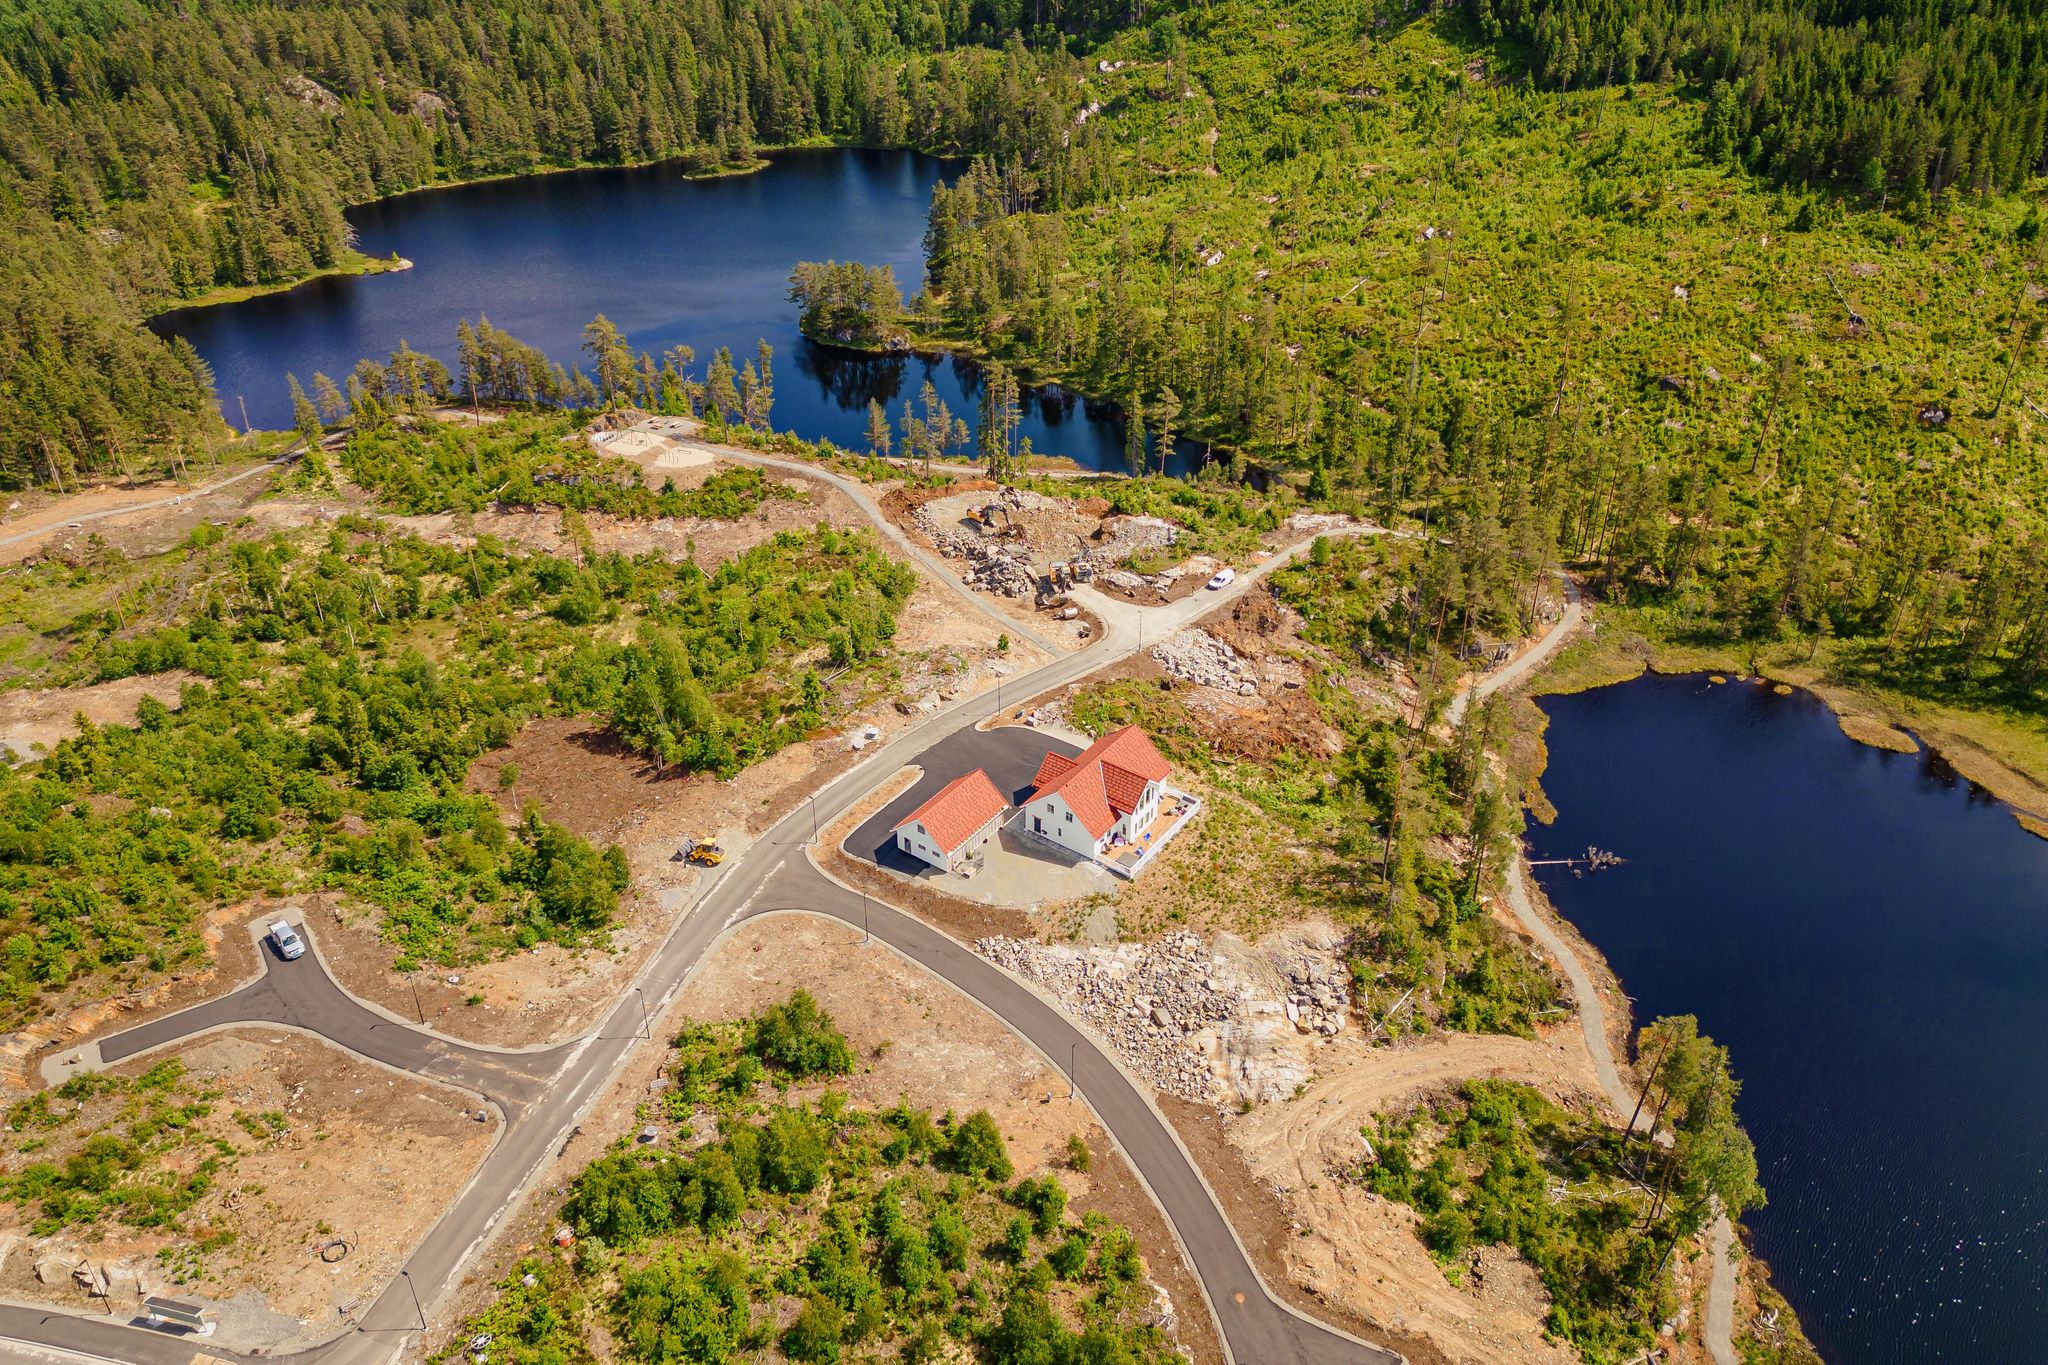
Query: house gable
pixel 957 811
pixel 1106 782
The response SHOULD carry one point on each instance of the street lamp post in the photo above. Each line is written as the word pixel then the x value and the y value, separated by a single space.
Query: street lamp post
pixel 646 1028
pixel 406 1275
pixel 864 940
pixel 1073 1060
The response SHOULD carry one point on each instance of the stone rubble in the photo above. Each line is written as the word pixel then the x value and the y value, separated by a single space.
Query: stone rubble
pixel 1198 657
pixel 1009 564
pixel 1318 522
pixel 1000 571
pixel 1000 568
pixel 1123 536
pixel 1187 1020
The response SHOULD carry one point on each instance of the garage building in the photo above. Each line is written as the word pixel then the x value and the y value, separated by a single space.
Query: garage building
pixel 951 827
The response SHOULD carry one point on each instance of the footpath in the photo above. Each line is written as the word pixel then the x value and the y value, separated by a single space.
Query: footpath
pixel 1719 1328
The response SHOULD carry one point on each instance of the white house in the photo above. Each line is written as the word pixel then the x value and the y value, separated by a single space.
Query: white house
pixel 948 829
pixel 1108 795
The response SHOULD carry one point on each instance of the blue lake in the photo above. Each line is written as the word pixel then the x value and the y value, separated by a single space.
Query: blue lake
pixel 672 261
pixel 1868 935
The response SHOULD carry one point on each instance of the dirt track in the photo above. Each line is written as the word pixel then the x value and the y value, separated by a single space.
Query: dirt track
pixel 1359 1250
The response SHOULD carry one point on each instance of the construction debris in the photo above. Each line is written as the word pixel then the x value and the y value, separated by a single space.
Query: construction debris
pixel 1198 657
pixel 1021 544
pixel 1203 1025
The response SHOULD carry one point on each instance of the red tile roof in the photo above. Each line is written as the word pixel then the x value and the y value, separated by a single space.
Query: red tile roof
pixel 1106 780
pixel 1051 767
pixel 958 809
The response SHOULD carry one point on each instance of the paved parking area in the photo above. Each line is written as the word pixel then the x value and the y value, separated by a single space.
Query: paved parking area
pixel 1016 870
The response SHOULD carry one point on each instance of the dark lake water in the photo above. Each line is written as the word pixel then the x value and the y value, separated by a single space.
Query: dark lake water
pixel 703 263
pixel 1868 934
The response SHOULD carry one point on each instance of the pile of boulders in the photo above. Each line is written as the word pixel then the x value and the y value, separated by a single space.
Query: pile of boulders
pixel 1200 1024
pixel 990 564
pixel 1123 536
pixel 1318 995
pixel 1198 657
pixel 1000 572
pixel 1195 1023
pixel 1318 522
pixel 1143 998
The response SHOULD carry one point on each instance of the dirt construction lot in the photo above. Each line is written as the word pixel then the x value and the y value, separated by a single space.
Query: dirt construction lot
pixel 1360 1251
pixel 311 1151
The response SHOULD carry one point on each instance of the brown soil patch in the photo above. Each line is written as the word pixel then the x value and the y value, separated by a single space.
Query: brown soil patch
pixel 34 721
pixel 1360 1251
pixel 1266 1229
pixel 1874 732
pixel 336 1148
pixel 898 503
pixel 917 1039
pixel 138 534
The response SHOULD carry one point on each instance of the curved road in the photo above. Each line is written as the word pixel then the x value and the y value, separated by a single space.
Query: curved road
pixel 303 995
pixel 1257 1328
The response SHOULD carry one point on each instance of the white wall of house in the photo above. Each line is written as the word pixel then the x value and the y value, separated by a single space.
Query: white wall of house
pixel 1148 806
pixel 916 840
pixel 1050 817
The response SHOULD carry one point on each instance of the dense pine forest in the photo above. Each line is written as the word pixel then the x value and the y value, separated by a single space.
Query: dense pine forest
pixel 150 153
pixel 1880 97
pixel 1734 303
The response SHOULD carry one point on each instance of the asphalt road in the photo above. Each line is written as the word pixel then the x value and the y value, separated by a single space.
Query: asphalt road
pixel 773 874
pixel 1009 755
pixel 1258 1329
pixel 302 995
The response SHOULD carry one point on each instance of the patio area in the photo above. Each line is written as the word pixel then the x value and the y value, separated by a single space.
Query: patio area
pixel 1021 872
pixel 1129 859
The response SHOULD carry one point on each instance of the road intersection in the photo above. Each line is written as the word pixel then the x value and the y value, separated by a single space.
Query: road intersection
pixel 544 1094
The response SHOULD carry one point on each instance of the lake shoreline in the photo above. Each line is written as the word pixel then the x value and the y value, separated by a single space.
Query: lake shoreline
pixel 360 266
pixel 1529 757
pixel 1612 654
pixel 927 344
pixel 1753 1274
pixel 541 254
pixel 1880 719
pixel 241 293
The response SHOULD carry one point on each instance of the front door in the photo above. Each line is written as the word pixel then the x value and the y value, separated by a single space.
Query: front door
pixel 1037 825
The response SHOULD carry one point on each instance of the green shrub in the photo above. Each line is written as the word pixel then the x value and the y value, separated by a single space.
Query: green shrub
pixel 976 1148
pixel 799 1038
pixel 815 1335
